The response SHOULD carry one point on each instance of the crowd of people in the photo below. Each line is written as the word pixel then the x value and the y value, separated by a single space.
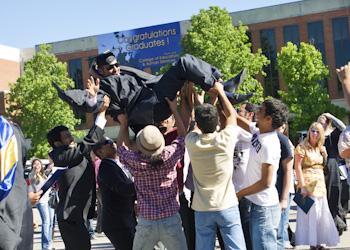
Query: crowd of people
pixel 196 169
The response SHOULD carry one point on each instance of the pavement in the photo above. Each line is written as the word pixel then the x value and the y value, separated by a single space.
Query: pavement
pixel 101 241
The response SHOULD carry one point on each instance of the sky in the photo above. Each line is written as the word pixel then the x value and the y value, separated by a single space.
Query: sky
pixel 24 24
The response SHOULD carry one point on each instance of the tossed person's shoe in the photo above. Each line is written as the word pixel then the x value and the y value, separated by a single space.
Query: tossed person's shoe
pixel 232 84
pixel 238 98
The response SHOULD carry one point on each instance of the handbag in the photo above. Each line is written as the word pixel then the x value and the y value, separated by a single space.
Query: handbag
pixel 53 198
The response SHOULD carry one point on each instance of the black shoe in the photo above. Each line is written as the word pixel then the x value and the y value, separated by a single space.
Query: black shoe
pixel 232 84
pixel 238 98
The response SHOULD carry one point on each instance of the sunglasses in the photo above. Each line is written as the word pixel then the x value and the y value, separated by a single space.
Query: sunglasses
pixel 108 142
pixel 109 67
pixel 314 131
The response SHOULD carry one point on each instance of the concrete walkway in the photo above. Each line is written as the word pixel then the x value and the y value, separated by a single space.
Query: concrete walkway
pixel 101 241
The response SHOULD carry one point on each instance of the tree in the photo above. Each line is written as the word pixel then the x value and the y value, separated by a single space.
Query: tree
pixel 303 71
pixel 34 103
pixel 213 38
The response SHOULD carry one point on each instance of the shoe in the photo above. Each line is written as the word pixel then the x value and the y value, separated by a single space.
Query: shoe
pixel 92 236
pixel 238 98
pixel 233 84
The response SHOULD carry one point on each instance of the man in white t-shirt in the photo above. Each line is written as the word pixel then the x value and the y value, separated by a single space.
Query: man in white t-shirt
pixel 211 154
pixel 240 163
pixel 260 179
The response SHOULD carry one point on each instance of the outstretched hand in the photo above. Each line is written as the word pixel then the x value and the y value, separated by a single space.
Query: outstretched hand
pixel 105 104
pixel 92 86
pixel 344 73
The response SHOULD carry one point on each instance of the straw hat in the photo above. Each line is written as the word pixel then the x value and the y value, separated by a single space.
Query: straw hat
pixel 150 141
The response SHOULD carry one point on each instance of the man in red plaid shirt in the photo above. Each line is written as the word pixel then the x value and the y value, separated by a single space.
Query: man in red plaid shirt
pixel 153 166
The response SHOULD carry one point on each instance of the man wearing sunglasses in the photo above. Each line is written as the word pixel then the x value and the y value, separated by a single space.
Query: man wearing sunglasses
pixel 141 95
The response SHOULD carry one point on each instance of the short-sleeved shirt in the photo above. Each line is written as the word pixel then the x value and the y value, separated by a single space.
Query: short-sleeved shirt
pixel 286 152
pixel 264 149
pixel 241 158
pixel 312 165
pixel 212 164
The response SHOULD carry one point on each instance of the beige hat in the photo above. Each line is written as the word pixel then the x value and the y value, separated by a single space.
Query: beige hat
pixel 150 141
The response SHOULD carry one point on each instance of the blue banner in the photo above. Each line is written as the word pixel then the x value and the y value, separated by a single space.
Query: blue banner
pixel 146 48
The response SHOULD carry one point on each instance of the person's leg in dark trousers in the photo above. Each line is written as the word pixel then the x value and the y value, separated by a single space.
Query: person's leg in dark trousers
pixel 244 210
pixel 221 241
pixel 26 229
pixel 74 234
pixel 122 239
pixel 188 68
pixel 187 217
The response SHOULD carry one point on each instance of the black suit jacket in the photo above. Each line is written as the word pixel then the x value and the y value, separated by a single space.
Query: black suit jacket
pixel 118 196
pixel 77 183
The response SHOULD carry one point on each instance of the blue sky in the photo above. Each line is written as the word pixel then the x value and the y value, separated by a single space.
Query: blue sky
pixel 26 23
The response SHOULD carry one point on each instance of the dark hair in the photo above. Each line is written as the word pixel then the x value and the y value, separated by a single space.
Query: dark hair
pixel 207 118
pixel 277 110
pixel 250 107
pixel 55 134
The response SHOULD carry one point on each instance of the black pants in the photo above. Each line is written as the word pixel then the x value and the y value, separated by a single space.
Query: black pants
pixel 244 210
pixel 74 234
pixel 187 218
pixel 121 238
pixel 188 68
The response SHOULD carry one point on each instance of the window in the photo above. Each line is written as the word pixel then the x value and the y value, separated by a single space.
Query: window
pixel 341 41
pixel 316 37
pixel 268 45
pixel 75 72
pixel 291 34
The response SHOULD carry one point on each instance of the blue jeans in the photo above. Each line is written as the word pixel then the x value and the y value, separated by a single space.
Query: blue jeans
pixel 167 230
pixel 229 223
pixel 264 222
pixel 282 233
pixel 46 214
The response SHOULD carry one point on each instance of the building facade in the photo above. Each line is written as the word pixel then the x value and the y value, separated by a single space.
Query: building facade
pixel 324 23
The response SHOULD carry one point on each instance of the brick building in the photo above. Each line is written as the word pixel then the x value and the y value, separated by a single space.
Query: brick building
pixel 325 23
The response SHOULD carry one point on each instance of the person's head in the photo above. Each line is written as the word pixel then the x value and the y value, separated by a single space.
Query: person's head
pixel 107 64
pixel 325 122
pixel 166 125
pixel 105 149
pixel 315 135
pixel 59 136
pixel 37 166
pixel 271 115
pixel 150 141
pixel 284 129
pixel 247 110
pixel 207 118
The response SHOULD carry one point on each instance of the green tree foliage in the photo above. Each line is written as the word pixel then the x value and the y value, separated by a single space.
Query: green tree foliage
pixel 303 70
pixel 34 103
pixel 213 38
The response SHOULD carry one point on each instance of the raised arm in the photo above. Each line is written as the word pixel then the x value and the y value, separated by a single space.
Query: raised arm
pixel 344 78
pixel 181 130
pixel 230 113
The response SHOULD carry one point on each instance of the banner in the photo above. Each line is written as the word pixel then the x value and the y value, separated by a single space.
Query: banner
pixel 146 49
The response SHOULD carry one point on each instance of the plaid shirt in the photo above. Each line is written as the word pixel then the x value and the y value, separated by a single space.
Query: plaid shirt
pixel 156 187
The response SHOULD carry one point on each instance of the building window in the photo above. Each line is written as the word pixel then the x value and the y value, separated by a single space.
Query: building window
pixel 341 42
pixel 268 46
pixel 316 38
pixel 291 34
pixel 75 71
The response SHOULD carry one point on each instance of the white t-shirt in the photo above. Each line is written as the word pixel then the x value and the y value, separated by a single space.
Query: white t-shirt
pixel 212 164
pixel 264 148
pixel 241 158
